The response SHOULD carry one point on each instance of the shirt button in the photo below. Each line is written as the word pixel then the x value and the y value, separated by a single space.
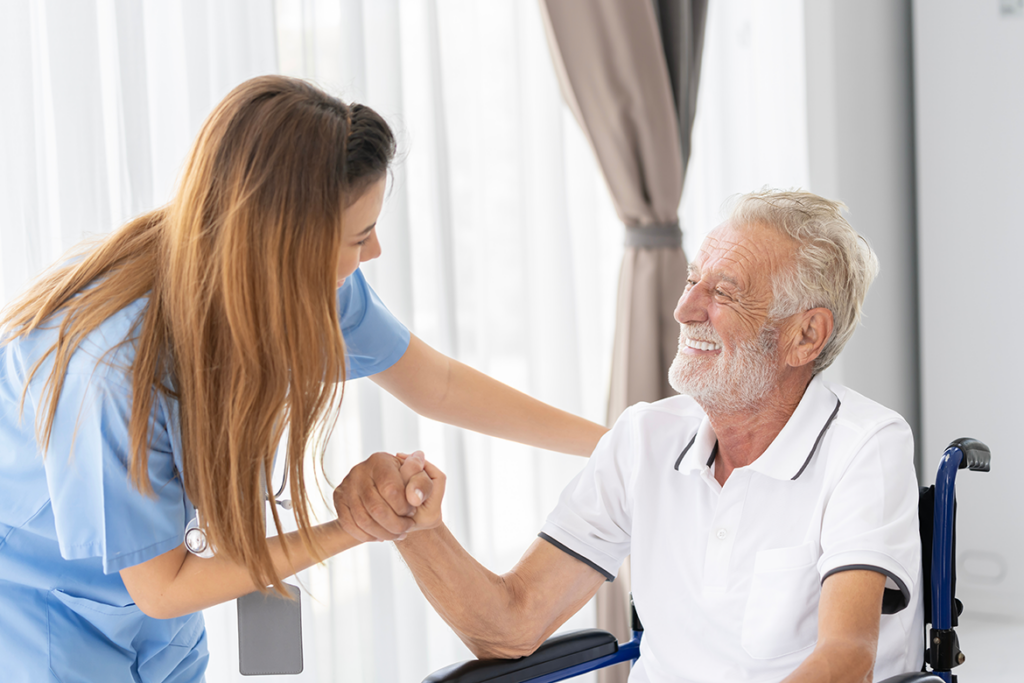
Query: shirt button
pixel 721 534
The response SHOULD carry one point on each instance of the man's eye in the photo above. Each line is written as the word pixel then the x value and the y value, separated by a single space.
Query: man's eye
pixel 690 282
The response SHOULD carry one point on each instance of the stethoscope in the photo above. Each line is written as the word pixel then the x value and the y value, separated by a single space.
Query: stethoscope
pixel 195 535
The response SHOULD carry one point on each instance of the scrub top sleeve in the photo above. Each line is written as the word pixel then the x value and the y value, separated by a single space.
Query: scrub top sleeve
pixel 97 511
pixel 871 518
pixel 593 518
pixel 374 338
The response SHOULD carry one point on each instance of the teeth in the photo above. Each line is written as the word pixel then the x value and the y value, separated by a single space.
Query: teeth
pixel 703 345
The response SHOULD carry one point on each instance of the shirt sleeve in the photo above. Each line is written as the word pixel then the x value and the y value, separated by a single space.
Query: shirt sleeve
pixel 97 511
pixel 374 338
pixel 593 518
pixel 871 522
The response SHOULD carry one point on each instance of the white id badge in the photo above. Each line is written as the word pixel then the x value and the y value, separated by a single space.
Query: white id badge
pixel 270 634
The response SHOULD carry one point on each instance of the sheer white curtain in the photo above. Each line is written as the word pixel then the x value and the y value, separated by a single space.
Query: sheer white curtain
pixel 500 244
pixel 751 124
pixel 500 248
pixel 102 99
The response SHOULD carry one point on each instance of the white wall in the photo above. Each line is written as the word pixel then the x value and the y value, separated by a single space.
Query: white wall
pixel 861 149
pixel 969 84
pixel 954 72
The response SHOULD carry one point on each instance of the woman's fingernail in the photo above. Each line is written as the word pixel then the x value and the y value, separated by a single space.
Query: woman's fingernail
pixel 418 496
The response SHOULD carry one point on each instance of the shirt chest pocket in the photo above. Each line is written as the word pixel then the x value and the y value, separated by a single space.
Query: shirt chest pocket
pixel 781 616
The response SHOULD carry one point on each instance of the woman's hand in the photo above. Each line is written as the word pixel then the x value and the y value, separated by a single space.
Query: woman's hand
pixel 385 497
pixel 428 513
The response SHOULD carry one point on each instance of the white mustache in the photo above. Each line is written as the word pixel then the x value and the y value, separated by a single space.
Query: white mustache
pixel 699 331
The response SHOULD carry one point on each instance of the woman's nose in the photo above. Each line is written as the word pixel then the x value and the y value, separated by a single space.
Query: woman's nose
pixel 371 249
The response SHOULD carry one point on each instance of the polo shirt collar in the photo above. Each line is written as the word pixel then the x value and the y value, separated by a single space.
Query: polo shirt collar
pixel 790 452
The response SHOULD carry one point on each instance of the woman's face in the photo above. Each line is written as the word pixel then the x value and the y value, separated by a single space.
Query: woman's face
pixel 359 230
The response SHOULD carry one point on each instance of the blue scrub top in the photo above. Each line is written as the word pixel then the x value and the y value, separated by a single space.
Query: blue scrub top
pixel 70 521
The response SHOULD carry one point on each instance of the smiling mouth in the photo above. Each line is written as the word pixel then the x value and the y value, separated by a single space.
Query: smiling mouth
pixel 702 345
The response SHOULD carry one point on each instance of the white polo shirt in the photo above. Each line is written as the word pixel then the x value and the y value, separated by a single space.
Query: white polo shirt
pixel 727 580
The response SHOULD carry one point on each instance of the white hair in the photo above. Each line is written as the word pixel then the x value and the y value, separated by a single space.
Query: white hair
pixel 833 265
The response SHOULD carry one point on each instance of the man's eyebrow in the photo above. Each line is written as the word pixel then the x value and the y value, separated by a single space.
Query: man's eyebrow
pixel 694 271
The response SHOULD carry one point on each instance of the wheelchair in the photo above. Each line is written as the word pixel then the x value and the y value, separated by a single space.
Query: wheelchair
pixel 575 653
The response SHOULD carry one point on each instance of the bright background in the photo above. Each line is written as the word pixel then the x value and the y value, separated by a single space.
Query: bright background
pixel 501 247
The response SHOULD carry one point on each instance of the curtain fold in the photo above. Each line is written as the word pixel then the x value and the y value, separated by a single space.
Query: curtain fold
pixel 629 71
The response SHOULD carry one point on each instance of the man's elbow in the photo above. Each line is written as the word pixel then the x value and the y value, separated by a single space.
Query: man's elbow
pixel 852 660
pixel 507 648
pixel 862 657
pixel 518 633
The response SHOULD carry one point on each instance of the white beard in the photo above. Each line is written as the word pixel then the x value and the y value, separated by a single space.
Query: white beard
pixel 718 384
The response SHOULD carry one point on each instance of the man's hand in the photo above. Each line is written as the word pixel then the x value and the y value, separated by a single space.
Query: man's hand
pixel 385 497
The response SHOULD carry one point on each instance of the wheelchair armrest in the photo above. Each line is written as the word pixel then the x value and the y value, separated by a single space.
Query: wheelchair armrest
pixel 555 654
pixel 916 677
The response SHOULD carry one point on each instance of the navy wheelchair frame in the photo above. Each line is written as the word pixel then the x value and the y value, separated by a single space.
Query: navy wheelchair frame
pixel 578 652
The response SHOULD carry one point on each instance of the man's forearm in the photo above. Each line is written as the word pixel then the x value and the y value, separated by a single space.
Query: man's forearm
pixel 481 607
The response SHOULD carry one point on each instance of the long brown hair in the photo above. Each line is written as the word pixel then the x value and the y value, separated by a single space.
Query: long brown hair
pixel 241 326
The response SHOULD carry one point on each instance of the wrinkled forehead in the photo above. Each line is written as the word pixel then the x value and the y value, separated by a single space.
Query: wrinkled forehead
pixel 747 254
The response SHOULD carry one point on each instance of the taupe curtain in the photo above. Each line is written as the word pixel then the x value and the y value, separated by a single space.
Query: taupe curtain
pixel 629 70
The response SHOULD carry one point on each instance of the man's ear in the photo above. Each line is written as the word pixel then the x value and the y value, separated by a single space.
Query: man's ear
pixel 812 330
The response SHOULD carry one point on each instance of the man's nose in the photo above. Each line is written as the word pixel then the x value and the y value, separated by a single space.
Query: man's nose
pixel 692 306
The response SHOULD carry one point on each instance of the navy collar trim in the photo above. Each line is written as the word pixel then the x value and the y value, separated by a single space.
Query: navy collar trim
pixel 807 461
pixel 687 448
pixel 817 441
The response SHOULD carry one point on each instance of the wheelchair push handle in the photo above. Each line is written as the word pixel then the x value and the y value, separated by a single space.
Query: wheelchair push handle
pixel 977 455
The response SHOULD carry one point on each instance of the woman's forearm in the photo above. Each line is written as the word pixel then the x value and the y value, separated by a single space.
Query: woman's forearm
pixel 444 389
pixel 178 582
pixel 478 402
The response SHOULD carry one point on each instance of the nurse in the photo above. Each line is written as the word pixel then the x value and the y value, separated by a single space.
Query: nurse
pixel 154 375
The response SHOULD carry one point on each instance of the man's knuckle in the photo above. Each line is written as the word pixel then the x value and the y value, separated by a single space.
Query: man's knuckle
pixel 379 510
pixel 392 491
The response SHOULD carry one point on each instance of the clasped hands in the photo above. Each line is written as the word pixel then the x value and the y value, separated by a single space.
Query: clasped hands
pixel 388 496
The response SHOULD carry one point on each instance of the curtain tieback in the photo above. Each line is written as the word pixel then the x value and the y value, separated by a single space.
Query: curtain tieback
pixel 654 235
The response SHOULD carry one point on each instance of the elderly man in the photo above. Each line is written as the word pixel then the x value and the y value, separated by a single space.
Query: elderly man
pixel 771 516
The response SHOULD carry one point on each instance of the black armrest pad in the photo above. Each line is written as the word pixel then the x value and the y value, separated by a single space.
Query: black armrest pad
pixel 555 654
pixel 916 677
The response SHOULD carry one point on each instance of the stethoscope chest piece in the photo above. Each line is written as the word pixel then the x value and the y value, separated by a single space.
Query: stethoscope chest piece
pixel 196 541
